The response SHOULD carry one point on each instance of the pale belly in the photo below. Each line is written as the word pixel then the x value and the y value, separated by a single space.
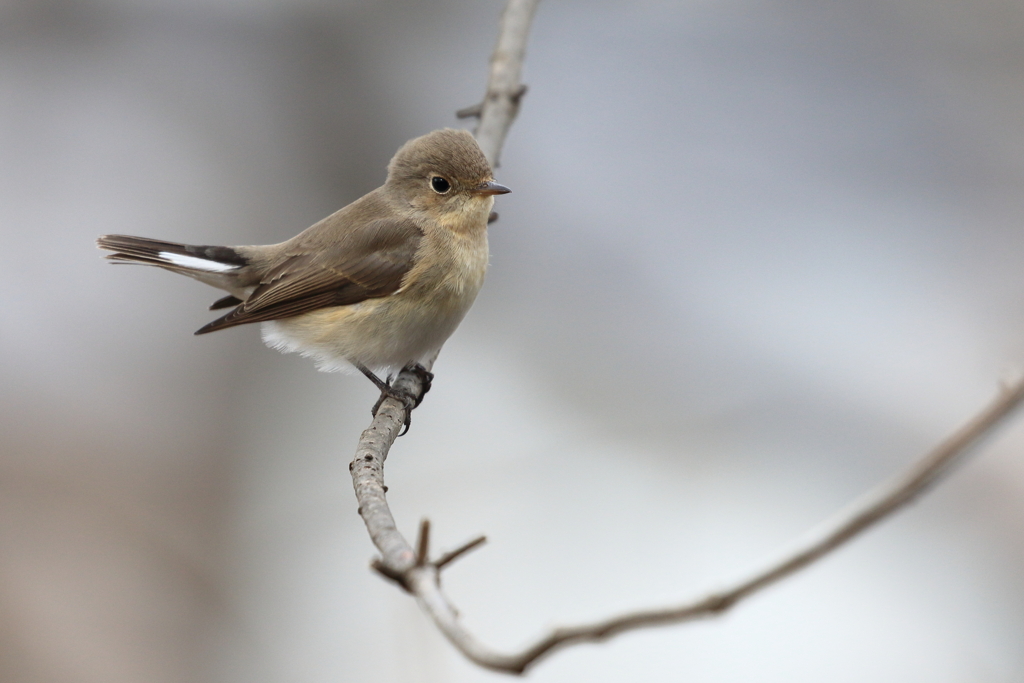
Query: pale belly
pixel 384 334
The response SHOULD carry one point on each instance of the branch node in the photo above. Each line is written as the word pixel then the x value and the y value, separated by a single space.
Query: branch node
pixel 475 111
pixel 390 574
pixel 471 112
pixel 718 603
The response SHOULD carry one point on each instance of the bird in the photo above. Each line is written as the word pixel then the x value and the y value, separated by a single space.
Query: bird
pixel 378 286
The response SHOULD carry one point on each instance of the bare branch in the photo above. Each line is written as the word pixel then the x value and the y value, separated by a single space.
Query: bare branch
pixel 870 509
pixel 422 581
pixel 496 112
pixel 416 573
pixel 500 105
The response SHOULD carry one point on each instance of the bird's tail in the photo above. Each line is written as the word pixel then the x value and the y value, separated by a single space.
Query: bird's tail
pixel 216 266
pixel 171 255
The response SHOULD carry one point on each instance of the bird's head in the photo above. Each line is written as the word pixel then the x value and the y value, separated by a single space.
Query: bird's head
pixel 445 174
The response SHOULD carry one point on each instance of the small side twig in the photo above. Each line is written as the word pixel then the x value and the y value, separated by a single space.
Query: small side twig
pixel 453 555
pixel 473 111
pixel 423 544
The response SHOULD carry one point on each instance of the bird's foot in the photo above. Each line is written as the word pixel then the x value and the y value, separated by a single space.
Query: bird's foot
pixel 405 397
pixel 426 379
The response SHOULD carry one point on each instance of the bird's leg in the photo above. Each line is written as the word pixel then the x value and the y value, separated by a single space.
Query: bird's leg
pixel 388 391
pixel 377 381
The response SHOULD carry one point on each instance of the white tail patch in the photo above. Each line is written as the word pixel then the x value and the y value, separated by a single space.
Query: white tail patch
pixel 196 263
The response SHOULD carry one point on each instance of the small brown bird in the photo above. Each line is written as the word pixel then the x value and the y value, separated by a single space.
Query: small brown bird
pixel 378 286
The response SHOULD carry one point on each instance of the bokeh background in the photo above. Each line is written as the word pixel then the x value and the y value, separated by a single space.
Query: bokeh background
pixel 759 255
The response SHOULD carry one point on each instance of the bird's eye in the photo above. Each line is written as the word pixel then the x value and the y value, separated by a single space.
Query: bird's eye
pixel 440 185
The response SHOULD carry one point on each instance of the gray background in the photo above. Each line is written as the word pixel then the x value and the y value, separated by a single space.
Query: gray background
pixel 758 256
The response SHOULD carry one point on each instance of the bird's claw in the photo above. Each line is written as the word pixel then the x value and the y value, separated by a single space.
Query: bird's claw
pixel 406 398
pixel 426 379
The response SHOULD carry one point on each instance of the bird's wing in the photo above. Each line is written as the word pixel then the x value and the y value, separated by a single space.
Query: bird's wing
pixel 366 262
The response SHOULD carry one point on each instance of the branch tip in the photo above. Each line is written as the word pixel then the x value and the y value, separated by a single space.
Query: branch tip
pixel 473 111
pixel 423 543
pixel 453 555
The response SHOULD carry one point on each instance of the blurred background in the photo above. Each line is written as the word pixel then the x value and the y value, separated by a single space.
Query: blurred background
pixel 760 254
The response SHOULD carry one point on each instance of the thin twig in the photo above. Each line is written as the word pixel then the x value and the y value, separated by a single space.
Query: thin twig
pixel 453 555
pixel 423 544
pixel 413 570
pixel 870 509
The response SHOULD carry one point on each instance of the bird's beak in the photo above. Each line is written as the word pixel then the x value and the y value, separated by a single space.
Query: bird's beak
pixel 490 188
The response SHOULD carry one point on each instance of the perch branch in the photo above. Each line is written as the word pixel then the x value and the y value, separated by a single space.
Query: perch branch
pixel 412 567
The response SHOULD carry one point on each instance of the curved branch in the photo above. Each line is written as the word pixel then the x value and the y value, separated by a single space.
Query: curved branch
pixel 421 578
pixel 412 567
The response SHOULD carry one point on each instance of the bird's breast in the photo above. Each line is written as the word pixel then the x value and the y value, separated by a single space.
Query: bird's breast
pixel 469 265
pixel 450 267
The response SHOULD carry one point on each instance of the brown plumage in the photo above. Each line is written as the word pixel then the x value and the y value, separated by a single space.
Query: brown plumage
pixel 381 283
